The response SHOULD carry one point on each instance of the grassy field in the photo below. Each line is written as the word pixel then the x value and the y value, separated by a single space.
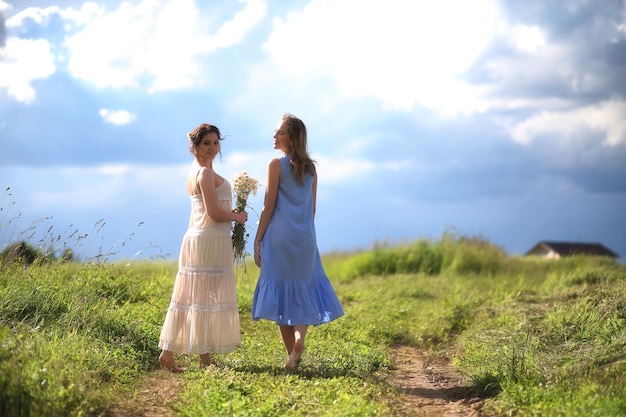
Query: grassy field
pixel 534 337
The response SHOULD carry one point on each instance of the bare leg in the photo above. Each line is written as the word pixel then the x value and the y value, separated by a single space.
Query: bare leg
pixel 299 333
pixel 167 360
pixel 287 333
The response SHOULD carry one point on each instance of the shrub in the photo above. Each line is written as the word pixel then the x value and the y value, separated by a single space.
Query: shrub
pixel 20 252
pixel 476 256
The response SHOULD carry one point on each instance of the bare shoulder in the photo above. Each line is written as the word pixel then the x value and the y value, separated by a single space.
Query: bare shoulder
pixel 274 165
pixel 275 162
pixel 206 171
pixel 206 174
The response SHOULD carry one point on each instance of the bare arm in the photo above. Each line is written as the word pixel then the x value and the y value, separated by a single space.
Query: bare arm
pixel 271 191
pixel 206 180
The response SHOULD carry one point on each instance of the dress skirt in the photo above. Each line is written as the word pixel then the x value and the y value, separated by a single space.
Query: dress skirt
pixel 203 316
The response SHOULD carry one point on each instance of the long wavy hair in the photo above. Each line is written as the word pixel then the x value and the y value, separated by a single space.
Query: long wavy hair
pixel 195 137
pixel 301 162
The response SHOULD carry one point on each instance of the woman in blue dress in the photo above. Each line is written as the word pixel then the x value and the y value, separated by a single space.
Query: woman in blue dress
pixel 293 289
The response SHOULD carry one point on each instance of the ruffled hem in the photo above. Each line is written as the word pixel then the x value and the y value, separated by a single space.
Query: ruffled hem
pixel 201 350
pixel 203 315
pixel 295 303
pixel 201 330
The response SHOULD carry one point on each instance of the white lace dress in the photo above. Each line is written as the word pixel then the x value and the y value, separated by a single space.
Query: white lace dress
pixel 203 316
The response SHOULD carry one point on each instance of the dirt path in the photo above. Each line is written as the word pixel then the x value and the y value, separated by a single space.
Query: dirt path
pixel 154 397
pixel 430 387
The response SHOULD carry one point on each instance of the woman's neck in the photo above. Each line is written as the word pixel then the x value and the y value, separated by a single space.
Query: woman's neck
pixel 206 163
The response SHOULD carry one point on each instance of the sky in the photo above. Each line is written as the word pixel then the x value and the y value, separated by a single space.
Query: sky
pixel 502 120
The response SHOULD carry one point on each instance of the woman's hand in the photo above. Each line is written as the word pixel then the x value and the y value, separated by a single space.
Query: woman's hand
pixel 257 253
pixel 241 217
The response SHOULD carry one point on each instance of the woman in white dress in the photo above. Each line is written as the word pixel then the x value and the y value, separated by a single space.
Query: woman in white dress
pixel 203 317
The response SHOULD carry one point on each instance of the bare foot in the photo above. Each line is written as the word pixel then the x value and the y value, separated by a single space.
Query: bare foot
pixel 292 364
pixel 205 360
pixel 167 360
pixel 296 356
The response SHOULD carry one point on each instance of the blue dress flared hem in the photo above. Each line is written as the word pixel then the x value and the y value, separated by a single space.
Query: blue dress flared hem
pixel 294 302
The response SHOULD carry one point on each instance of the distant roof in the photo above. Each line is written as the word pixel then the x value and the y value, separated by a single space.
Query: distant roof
pixel 571 248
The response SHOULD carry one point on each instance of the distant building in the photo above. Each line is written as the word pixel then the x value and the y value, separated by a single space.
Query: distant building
pixel 556 250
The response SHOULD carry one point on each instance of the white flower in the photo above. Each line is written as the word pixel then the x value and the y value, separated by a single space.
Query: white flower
pixel 243 185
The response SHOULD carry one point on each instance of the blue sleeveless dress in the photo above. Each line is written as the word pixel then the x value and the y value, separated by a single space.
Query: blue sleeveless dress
pixel 293 288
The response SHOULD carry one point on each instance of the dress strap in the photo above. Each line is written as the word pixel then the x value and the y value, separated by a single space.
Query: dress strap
pixel 197 186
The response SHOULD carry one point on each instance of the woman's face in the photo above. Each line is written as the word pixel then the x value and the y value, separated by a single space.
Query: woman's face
pixel 282 140
pixel 209 146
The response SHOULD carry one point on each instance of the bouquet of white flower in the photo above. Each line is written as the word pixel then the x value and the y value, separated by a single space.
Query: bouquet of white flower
pixel 243 186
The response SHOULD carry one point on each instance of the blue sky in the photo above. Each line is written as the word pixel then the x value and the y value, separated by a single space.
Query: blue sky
pixel 499 119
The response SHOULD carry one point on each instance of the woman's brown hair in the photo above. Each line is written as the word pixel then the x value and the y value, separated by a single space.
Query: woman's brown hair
pixel 195 137
pixel 299 157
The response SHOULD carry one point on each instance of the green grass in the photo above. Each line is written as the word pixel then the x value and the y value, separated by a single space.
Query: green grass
pixel 535 337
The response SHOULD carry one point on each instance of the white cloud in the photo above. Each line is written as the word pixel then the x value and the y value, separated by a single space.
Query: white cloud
pixel 235 30
pixel 342 169
pixel 113 170
pixel 23 61
pixel 98 187
pixel 80 17
pixel 607 118
pixel 403 53
pixel 254 163
pixel 536 69
pixel 335 170
pixel 162 42
pixel 332 169
pixel 528 38
pixel 116 117
pixel 38 15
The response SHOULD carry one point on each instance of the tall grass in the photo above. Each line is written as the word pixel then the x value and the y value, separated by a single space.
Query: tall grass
pixel 68 328
pixel 456 254
pixel 535 337
pixel 555 349
pixel 41 241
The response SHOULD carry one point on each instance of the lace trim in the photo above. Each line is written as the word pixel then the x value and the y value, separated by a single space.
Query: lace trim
pixel 214 230
pixel 202 308
pixel 178 348
pixel 205 270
